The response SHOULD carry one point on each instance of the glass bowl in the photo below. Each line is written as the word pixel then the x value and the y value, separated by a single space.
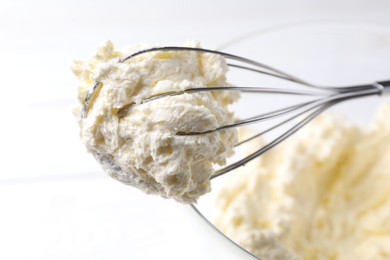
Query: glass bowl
pixel 323 52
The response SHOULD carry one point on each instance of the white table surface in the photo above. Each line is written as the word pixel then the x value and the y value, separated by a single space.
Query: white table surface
pixel 56 203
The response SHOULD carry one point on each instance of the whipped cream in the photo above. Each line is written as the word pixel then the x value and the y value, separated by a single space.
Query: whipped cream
pixel 322 194
pixel 137 143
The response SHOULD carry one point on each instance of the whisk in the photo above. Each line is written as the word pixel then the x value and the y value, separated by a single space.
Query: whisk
pixel 325 97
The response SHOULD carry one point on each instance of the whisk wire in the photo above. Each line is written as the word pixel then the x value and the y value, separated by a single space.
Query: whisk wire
pixel 306 111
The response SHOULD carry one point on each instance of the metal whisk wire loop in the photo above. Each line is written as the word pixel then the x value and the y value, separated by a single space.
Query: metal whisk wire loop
pixel 302 113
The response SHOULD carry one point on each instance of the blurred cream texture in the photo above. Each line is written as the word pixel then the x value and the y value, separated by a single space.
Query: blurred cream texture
pixel 323 194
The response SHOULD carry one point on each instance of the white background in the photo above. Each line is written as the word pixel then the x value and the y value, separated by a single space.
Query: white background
pixel 55 202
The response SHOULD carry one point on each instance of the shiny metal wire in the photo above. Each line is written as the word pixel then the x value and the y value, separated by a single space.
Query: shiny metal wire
pixel 324 97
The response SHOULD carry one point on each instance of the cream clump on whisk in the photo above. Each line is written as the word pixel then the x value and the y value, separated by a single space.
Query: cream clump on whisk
pixel 137 143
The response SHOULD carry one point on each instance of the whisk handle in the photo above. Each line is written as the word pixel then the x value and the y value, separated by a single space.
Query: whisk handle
pixel 386 86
